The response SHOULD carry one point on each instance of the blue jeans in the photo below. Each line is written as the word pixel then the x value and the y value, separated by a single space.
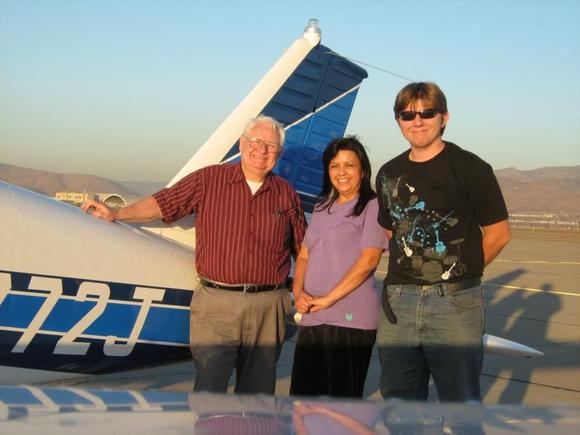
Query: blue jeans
pixel 436 334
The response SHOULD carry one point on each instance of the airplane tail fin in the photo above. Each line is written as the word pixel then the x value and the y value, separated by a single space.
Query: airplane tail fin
pixel 311 90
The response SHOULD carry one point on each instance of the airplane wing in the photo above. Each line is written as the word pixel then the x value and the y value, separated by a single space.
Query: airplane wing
pixel 31 410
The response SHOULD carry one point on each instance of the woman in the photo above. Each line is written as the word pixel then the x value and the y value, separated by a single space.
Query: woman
pixel 334 287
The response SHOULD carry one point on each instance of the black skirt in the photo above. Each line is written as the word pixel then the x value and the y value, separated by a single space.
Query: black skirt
pixel 331 361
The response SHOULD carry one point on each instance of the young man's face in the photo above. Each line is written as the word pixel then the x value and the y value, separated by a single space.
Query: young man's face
pixel 422 133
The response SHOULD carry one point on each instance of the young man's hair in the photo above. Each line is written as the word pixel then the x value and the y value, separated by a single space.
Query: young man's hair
pixel 428 93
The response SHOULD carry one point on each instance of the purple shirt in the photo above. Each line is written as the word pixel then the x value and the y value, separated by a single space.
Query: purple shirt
pixel 334 241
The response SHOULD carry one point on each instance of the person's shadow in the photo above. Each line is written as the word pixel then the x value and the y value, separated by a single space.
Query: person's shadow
pixel 521 316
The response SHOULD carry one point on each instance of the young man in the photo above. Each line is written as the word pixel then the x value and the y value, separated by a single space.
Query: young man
pixel 446 220
pixel 248 222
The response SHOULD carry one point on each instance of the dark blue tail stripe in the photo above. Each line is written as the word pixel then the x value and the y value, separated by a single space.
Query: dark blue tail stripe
pixel 320 79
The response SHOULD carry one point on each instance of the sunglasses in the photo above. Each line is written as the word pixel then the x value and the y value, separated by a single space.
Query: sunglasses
pixel 409 115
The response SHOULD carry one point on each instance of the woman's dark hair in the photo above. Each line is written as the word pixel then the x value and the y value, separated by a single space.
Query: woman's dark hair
pixel 329 194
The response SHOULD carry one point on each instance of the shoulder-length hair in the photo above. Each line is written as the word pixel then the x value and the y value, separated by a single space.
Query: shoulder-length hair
pixel 329 195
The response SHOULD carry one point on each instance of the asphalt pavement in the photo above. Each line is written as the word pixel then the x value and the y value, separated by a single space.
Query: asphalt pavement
pixel 532 296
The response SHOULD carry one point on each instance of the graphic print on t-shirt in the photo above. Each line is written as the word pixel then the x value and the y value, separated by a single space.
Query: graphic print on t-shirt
pixel 420 232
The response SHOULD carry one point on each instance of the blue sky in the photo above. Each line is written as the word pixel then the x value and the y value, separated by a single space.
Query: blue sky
pixel 129 89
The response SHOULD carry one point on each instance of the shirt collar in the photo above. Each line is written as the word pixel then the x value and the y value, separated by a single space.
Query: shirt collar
pixel 237 176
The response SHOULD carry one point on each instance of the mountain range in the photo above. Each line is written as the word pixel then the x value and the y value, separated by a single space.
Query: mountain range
pixel 545 190
pixel 550 190
pixel 48 183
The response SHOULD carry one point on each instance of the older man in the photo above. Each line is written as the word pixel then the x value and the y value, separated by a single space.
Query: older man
pixel 446 220
pixel 248 222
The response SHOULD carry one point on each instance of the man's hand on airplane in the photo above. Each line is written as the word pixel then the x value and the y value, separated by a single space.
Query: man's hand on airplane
pixel 144 210
pixel 99 210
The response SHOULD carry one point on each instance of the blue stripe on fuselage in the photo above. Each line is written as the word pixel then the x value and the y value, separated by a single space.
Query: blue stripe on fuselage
pixel 163 324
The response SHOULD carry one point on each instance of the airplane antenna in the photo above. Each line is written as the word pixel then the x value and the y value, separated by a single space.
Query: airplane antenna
pixel 373 66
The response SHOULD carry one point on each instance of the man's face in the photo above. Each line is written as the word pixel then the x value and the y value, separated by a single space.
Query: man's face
pixel 422 133
pixel 259 150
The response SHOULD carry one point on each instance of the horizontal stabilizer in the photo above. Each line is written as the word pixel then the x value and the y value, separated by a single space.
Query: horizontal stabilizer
pixel 501 346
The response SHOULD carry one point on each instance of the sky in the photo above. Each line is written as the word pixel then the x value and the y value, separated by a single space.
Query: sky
pixel 129 89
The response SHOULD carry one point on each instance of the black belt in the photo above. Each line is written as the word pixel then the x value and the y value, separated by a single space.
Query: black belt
pixel 443 288
pixel 246 288
pixel 452 287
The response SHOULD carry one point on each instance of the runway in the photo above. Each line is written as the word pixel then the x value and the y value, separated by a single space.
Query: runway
pixel 532 295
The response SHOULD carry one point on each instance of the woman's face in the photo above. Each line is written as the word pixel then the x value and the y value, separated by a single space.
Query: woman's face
pixel 345 173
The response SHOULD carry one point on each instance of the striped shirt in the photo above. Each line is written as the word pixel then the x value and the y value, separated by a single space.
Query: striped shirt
pixel 240 238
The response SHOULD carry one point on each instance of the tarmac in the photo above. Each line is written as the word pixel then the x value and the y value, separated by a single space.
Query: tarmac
pixel 532 296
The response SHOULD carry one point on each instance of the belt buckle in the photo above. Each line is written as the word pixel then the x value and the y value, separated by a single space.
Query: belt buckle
pixel 248 288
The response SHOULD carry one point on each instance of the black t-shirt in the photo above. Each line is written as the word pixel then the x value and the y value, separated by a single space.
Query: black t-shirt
pixel 435 210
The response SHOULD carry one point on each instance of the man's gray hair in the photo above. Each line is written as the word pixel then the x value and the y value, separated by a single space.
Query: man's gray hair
pixel 271 122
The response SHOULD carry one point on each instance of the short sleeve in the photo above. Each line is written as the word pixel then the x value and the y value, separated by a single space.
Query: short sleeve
pixel 298 222
pixel 310 230
pixel 373 234
pixel 181 199
pixel 486 197
pixel 383 214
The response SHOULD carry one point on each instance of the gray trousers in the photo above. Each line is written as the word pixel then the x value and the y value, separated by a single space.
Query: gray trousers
pixel 238 330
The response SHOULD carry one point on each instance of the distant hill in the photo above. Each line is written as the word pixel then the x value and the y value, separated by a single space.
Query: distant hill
pixel 545 190
pixel 143 188
pixel 48 183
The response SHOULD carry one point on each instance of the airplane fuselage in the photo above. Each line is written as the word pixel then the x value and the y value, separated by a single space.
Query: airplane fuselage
pixel 78 295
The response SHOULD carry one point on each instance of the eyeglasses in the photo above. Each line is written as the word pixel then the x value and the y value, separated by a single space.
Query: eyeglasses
pixel 257 143
pixel 409 115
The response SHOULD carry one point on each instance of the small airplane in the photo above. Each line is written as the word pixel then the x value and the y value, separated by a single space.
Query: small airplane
pixel 82 297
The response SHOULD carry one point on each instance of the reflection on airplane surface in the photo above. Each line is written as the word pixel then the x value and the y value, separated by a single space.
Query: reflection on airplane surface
pixel 27 410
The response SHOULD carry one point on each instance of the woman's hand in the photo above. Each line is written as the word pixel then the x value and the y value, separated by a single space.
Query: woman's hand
pixel 302 302
pixel 317 304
